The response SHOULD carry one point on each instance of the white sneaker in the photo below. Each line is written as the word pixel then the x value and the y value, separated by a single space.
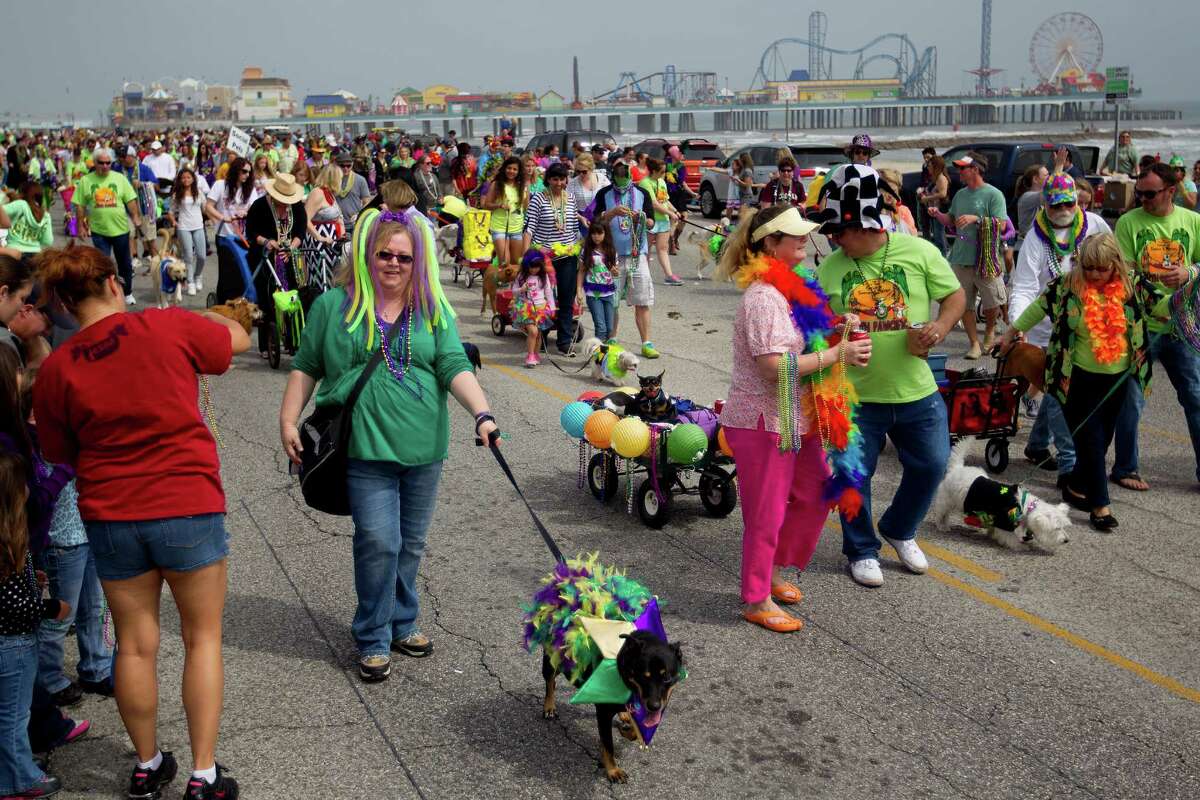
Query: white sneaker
pixel 130 300
pixel 137 262
pixel 866 572
pixel 199 285
pixel 910 554
pixel 191 290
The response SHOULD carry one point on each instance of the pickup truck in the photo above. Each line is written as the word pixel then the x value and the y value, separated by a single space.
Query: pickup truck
pixel 1007 161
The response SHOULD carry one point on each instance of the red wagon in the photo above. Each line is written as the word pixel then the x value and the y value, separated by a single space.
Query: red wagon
pixel 986 407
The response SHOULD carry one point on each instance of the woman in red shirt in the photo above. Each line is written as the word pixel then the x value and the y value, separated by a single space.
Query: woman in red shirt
pixel 119 403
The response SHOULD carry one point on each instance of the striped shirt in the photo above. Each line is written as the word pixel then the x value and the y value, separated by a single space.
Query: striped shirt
pixel 542 220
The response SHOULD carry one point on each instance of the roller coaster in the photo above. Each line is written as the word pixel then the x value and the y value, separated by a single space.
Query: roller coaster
pixel 916 71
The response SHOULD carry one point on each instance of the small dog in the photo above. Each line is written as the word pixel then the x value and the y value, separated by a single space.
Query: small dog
pixel 1011 515
pixel 704 244
pixel 241 311
pixel 172 275
pixel 446 240
pixel 651 403
pixel 1026 361
pixel 648 666
pixel 610 362
pixel 493 276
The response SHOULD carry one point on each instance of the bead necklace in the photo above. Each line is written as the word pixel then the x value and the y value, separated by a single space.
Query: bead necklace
pixel 625 198
pixel 882 267
pixel 281 271
pixel 399 367
pixel 559 210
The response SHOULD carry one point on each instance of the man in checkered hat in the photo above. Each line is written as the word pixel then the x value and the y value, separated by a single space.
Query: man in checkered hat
pixel 889 281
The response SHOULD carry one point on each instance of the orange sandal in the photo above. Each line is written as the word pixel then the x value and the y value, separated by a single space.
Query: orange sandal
pixel 786 593
pixel 776 621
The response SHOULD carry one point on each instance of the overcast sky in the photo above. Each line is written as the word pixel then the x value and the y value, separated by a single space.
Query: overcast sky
pixel 72 55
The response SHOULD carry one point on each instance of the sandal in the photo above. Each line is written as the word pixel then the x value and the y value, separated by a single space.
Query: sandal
pixel 786 593
pixel 1125 482
pixel 776 621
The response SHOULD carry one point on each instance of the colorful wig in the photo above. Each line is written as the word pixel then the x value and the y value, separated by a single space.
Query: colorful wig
pixel 429 305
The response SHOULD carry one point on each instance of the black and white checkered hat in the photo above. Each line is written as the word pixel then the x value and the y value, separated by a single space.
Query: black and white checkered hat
pixel 852 198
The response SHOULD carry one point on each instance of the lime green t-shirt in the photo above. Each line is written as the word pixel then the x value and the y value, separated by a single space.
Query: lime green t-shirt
pixel 104 200
pixel 27 234
pixel 389 423
pixel 76 170
pixel 1082 354
pixel 888 296
pixel 658 190
pixel 1155 244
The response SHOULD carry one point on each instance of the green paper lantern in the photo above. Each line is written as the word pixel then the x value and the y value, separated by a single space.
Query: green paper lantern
pixel 687 444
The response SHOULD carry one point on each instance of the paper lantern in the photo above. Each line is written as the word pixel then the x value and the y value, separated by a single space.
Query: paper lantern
pixel 630 437
pixel 687 444
pixel 629 390
pixel 589 396
pixel 598 428
pixel 723 443
pixel 573 417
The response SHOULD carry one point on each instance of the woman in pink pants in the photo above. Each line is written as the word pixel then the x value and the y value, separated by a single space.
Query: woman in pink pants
pixel 780 462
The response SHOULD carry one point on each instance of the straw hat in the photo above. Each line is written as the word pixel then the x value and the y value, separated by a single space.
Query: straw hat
pixel 283 187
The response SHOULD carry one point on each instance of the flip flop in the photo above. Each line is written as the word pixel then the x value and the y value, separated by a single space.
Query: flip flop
pixel 776 621
pixel 786 593
pixel 1133 476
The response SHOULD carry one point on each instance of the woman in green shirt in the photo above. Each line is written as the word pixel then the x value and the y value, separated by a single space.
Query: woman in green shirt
pixel 400 428
pixel 1099 312
pixel 29 226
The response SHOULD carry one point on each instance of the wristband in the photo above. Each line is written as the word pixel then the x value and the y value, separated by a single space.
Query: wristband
pixel 482 417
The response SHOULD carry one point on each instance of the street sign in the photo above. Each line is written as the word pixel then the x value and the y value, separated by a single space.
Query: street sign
pixel 1116 84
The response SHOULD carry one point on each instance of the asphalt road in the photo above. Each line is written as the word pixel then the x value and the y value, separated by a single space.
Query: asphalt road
pixel 999 674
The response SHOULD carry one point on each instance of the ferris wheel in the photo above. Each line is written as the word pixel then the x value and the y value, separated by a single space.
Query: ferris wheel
pixel 1066 47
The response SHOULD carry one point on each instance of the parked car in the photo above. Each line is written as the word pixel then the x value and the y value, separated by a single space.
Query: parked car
pixel 566 139
pixel 811 161
pixel 1007 161
pixel 697 155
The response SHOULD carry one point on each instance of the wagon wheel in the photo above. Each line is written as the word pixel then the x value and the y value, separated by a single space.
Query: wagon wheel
pixel 654 514
pixel 210 300
pixel 498 325
pixel 602 476
pixel 995 456
pixel 718 495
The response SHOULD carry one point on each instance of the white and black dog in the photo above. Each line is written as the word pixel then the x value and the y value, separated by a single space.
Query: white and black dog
pixel 1010 514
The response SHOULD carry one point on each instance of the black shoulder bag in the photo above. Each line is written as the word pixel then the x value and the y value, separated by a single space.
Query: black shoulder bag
pixel 325 439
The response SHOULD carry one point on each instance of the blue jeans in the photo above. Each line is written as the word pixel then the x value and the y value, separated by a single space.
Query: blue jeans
pixel 392 506
pixel 18 669
pixel 192 247
pixel 1182 365
pixel 118 248
pixel 920 432
pixel 937 235
pixel 1051 423
pixel 604 315
pixel 72 575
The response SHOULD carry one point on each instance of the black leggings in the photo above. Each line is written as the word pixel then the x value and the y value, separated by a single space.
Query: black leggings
pixel 1090 395
pixel 565 272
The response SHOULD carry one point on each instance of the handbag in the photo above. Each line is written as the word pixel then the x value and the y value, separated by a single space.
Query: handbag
pixel 325 439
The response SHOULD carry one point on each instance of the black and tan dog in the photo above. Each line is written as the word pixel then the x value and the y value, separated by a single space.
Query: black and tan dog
pixel 650 668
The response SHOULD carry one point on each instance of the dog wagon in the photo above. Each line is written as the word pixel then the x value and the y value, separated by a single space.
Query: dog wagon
pixel 503 318
pixel 986 407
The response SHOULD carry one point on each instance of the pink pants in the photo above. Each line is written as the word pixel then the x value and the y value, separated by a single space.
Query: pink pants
pixel 782 509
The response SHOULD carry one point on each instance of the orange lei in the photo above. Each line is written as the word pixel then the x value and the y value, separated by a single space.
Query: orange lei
pixel 1104 316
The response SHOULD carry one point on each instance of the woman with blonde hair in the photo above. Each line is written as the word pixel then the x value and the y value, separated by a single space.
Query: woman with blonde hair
pixel 263 171
pixel 1099 311
pixel 583 186
pixel 785 359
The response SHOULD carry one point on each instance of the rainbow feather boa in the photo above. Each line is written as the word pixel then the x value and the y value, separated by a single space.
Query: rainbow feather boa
pixel 579 588
pixel 831 403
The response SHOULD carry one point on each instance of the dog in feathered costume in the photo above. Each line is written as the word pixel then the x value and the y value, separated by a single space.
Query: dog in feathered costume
pixel 602 631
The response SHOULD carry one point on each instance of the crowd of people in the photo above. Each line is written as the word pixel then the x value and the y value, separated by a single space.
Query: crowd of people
pixel 577 230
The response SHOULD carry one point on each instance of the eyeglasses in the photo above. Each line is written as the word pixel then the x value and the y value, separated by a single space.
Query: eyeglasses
pixel 1148 194
pixel 247 171
pixel 1101 268
pixel 786 169
pixel 1062 206
pixel 388 257
pixel 860 151
pixel 103 163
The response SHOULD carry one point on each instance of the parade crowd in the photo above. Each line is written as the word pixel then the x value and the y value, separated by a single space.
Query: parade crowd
pixel 576 231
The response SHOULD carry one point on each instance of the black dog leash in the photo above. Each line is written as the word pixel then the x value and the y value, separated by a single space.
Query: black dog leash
pixel 493 437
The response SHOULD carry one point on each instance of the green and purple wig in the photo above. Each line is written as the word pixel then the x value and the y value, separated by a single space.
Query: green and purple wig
pixel 429 306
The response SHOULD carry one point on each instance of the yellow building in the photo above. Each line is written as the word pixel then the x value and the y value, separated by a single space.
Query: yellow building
pixel 434 97
pixel 834 91
pixel 325 105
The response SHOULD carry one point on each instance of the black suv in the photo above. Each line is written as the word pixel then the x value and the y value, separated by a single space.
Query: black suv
pixel 566 139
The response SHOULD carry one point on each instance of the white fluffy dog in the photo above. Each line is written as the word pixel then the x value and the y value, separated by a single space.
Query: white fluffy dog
pixel 610 362
pixel 1010 515
pixel 446 239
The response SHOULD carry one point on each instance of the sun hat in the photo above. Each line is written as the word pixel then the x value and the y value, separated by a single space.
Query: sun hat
pixel 852 199
pixel 1059 189
pixel 862 140
pixel 283 187
pixel 789 223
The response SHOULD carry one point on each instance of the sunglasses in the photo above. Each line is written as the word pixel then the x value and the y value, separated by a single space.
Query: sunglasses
pixel 1148 194
pixel 247 171
pixel 1104 268
pixel 103 163
pixel 860 151
pixel 388 257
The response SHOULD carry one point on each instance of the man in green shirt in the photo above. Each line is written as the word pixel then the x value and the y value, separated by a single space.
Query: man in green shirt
pixel 102 200
pixel 1163 241
pixel 888 281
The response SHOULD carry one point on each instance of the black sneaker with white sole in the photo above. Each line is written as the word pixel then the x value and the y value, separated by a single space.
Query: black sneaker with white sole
pixel 147 784
pixel 415 645
pixel 373 669
pixel 223 788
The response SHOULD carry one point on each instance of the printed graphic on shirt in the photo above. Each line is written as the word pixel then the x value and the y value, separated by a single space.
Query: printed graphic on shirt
pixel 101 349
pixel 1162 255
pixel 880 303
pixel 105 197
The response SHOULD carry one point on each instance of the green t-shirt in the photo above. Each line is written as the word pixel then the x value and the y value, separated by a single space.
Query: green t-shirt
pixel 76 170
pixel 1082 354
pixel 27 234
pixel 105 199
pixel 1155 244
pixel 658 190
pixel 389 423
pixel 1186 185
pixel 888 297
pixel 986 201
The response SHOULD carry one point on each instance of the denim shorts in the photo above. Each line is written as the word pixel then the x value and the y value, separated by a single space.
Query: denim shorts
pixel 125 550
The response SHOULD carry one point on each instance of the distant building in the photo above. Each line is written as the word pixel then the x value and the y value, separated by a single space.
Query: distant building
pixel 400 105
pixel 262 98
pixel 415 98
pixel 434 97
pixel 218 101
pixel 325 105
pixel 834 91
pixel 551 101
pixel 458 103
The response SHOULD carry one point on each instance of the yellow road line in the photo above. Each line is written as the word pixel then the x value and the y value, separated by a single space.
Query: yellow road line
pixel 512 373
pixel 962 562
pixel 1116 659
